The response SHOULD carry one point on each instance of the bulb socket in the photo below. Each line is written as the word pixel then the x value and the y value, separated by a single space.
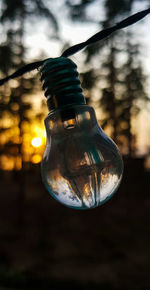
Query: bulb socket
pixel 61 83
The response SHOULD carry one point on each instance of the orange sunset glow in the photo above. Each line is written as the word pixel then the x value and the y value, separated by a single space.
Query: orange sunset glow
pixel 31 143
pixel 36 142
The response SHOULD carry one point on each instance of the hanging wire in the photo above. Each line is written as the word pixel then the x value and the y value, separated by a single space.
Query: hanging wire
pixel 75 48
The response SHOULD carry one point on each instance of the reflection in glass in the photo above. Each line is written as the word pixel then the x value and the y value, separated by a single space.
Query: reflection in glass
pixel 81 166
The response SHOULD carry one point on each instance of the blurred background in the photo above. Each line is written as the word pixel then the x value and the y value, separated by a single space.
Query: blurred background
pixel 44 245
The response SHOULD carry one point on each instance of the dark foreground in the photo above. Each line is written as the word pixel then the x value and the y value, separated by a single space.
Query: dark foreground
pixel 44 245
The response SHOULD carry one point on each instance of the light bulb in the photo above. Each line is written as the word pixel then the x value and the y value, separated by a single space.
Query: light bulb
pixel 81 167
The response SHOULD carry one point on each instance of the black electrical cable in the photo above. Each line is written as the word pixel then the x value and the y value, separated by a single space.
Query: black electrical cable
pixel 27 68
pixel 75 48
pixel 106 32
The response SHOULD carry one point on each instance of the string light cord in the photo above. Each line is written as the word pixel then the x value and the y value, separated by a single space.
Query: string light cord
pixel 76 48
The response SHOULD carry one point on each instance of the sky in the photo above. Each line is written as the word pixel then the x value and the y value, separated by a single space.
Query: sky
pixel 75 32
pixel 72 33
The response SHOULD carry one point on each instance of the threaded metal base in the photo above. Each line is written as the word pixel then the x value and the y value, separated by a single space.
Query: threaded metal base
pixel 61 83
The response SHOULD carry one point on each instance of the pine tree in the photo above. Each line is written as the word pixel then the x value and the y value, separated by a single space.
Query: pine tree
pixel 119 80
pixel 13 17
pixel 134 91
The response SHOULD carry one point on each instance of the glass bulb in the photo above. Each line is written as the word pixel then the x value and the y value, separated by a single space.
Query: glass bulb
pixel 81 167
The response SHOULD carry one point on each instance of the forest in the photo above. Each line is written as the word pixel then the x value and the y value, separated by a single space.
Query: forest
pixel 44 245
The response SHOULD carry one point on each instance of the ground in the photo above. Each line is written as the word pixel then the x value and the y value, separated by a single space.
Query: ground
pixel 44 245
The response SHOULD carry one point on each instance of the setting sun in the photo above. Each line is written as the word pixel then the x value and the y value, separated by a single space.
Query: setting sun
pixel 36 142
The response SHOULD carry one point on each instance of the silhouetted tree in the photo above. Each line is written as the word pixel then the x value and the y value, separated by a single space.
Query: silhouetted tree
pixel 133 95
pixel 13 18
pixel 114 73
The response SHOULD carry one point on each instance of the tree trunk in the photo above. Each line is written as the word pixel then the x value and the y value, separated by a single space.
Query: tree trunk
pixel 21 172
pixel 112 87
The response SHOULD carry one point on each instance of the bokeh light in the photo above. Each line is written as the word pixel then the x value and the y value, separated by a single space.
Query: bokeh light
pixel 36 158
pixel 36 142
